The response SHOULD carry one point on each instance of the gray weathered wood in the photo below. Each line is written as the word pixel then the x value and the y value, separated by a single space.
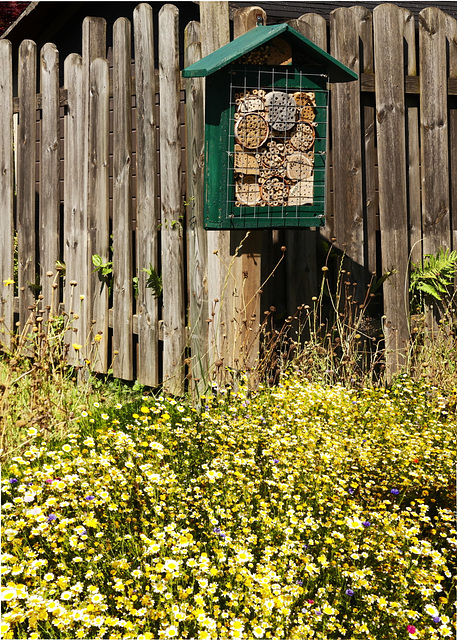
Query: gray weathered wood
pixel 196 234
pixel 122 202
pixel 6 194
pixel 370 196
pixel 171 202
pixel 434 130
pixel 50 175
pixel 301 257
pixel 215 32
pixel 26 194
pixel 345 32
pixel 147 213
pixel 389 26
pixel 451 31
pixel 413 148
pixel 75 215
pixel 98 207
pixel 93 47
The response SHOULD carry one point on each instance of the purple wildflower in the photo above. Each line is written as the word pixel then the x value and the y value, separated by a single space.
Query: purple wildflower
pixel 366 523
pixel 13 480
pixel 51 517
pixel 436 619
pixel 349 592
pixel 394 492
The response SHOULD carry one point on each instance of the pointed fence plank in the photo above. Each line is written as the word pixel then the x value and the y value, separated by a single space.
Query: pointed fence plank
pixel 147 213
pixel 434 130
pixel 50 175
pixel 75 216
pixel 390 21
pixel 346 27
pixel 196 234
pixel 26 195
pixel 171 202
pixel 93 47
pixel 6 194
pixel 122 202
pixel 98 207
pixel 215 32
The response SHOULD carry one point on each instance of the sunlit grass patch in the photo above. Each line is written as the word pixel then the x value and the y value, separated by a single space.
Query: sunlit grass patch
pixel 302 511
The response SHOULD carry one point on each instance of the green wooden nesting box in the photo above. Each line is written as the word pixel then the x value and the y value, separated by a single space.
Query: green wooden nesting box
pixel 266 129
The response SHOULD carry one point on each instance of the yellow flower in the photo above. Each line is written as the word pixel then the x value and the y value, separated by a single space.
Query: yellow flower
pixel 8 282
pixel 76 346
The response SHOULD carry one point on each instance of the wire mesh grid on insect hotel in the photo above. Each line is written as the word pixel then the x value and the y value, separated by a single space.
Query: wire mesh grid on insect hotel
pixel 272 144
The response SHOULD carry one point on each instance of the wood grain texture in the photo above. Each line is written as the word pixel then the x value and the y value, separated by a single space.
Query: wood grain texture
pixel 215 32
pixel 196 234
pixel 75 215
pixel 245 315
pixel 346 27
pixel 122 202
pixel 171 202
pixel 301 256
pixel 368 115
pixel 434 130
pixel 98 206
pixel 147 213
pixel 390 21
pixel 413 147
pixel 6 193
pixel 93 47
pixel 26 194
pixel 451 32
pixel 50 174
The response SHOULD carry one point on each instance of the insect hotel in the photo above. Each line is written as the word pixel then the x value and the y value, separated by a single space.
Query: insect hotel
pixel 266 129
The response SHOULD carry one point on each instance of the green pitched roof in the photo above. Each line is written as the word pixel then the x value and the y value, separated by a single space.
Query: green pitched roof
pixel 258 36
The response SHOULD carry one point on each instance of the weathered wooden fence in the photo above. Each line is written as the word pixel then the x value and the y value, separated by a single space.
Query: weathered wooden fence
pixel 97 167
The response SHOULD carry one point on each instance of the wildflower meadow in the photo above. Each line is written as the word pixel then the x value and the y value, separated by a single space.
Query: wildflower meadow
pixel 298 511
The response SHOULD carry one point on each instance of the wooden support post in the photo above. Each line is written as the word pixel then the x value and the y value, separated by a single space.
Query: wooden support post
pixel 248 266
pixel 215 32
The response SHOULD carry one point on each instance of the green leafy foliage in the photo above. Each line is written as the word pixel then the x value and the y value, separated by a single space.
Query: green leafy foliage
pixel 105 269
pixel 154 281
pixel 434 279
